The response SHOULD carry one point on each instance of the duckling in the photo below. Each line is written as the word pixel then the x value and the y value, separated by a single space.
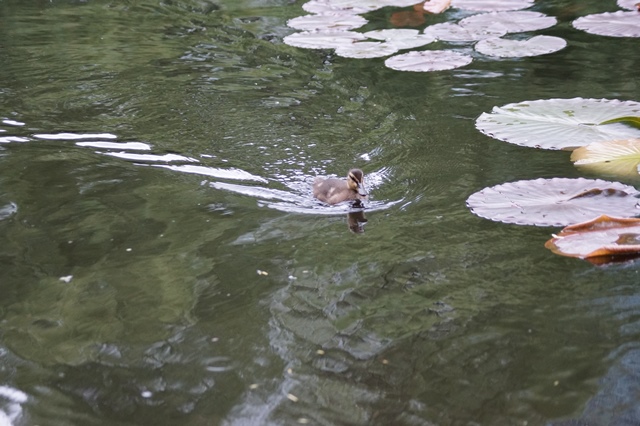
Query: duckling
pixel 334 191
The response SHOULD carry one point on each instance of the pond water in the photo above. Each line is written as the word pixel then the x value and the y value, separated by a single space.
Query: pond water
pixel 162 261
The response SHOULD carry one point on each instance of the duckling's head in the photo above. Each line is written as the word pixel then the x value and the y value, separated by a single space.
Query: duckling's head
pixel 355 180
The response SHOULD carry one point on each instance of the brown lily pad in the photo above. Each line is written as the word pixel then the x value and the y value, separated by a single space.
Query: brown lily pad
pixel 554 202
pixel 598 239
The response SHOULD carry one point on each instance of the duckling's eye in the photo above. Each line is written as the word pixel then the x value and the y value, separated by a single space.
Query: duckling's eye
pixel 352 177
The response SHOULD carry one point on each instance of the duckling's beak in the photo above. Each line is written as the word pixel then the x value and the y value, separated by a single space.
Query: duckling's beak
pixel 361 190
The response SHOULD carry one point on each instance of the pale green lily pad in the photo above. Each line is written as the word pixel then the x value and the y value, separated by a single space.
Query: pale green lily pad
pixel 322 39
pixel 554 202
pixel 615 24
pixel 505 48
pixel 411 42
pixel 353 6
pixel 391 34
pixel 512 22
pixel 559 123
pixel 491 5
pixel 428 60
pixel 327 22
pixel 366 49
pixel 448 31
pixel 628 4
pixel 620 157
pixel 401 38
pixel 324 6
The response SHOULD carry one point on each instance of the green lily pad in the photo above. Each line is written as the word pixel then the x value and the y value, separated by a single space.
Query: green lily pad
pixel 322 39
pixel 366 49
pixel 491 5
pixel 401 38
pixel 613 24
pixel 512 22
pixel 631 121
pixel 428 60
pixel 559 123
pixel 620 157
pixel 449 31
pixel 505 48
pixel 327 21
pixel 629 4
pixel 353 6
pixel 554 202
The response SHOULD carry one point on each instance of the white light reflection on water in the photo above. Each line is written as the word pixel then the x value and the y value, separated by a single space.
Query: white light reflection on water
pixel 140 146
pixel 74 136
pixel 149 157
pixel 11 408
pixel 232 173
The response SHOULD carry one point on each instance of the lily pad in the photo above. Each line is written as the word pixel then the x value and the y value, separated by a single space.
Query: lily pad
pixel 322 39
pixel 512 22
pixel 366 49
pixel 602 236
pixel 327 21
pixel 491 5
pixel 324 6
pixel 448 31
pixel 559 123
pixel 505 48
pixel 629 4
pixel 391 34
pixel 436 6
pixel 428 60
pixel 401 38
pixel 554 202
pixel 354 6
pixel 613 24
pixel 620 157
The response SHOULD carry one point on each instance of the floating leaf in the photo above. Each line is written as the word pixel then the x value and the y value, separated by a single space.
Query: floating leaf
pixel 322 39
pixel 353 6
pixel 436 6
pixel 597 238
pixel 448 31
pixel 401 38
pixel 620 157
pixel 629 4
pixel 491 5
pixel 631 121
pixel 366 49
pixel 407 18
pixel 613 24
pixel 554 202
pixel 327 21
pixel 428 60
pixel 512 22
pixel 324 6
pixel 559 123
pixel 538 45
pixel 391 34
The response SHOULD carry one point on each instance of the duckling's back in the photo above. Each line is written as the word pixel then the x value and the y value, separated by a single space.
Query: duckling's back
pixel 332 190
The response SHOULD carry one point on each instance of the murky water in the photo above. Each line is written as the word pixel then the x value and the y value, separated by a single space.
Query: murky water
pixel 162 261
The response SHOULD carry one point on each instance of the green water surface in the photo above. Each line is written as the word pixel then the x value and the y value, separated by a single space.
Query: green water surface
pixel 135 293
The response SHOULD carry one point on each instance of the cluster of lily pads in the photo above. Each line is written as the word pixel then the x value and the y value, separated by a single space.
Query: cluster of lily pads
pixel 330 25
pixel 605 137
pixel 623 23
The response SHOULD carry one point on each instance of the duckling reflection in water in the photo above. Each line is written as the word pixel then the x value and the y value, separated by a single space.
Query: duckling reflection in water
pixel 356 219
pixel 334 191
